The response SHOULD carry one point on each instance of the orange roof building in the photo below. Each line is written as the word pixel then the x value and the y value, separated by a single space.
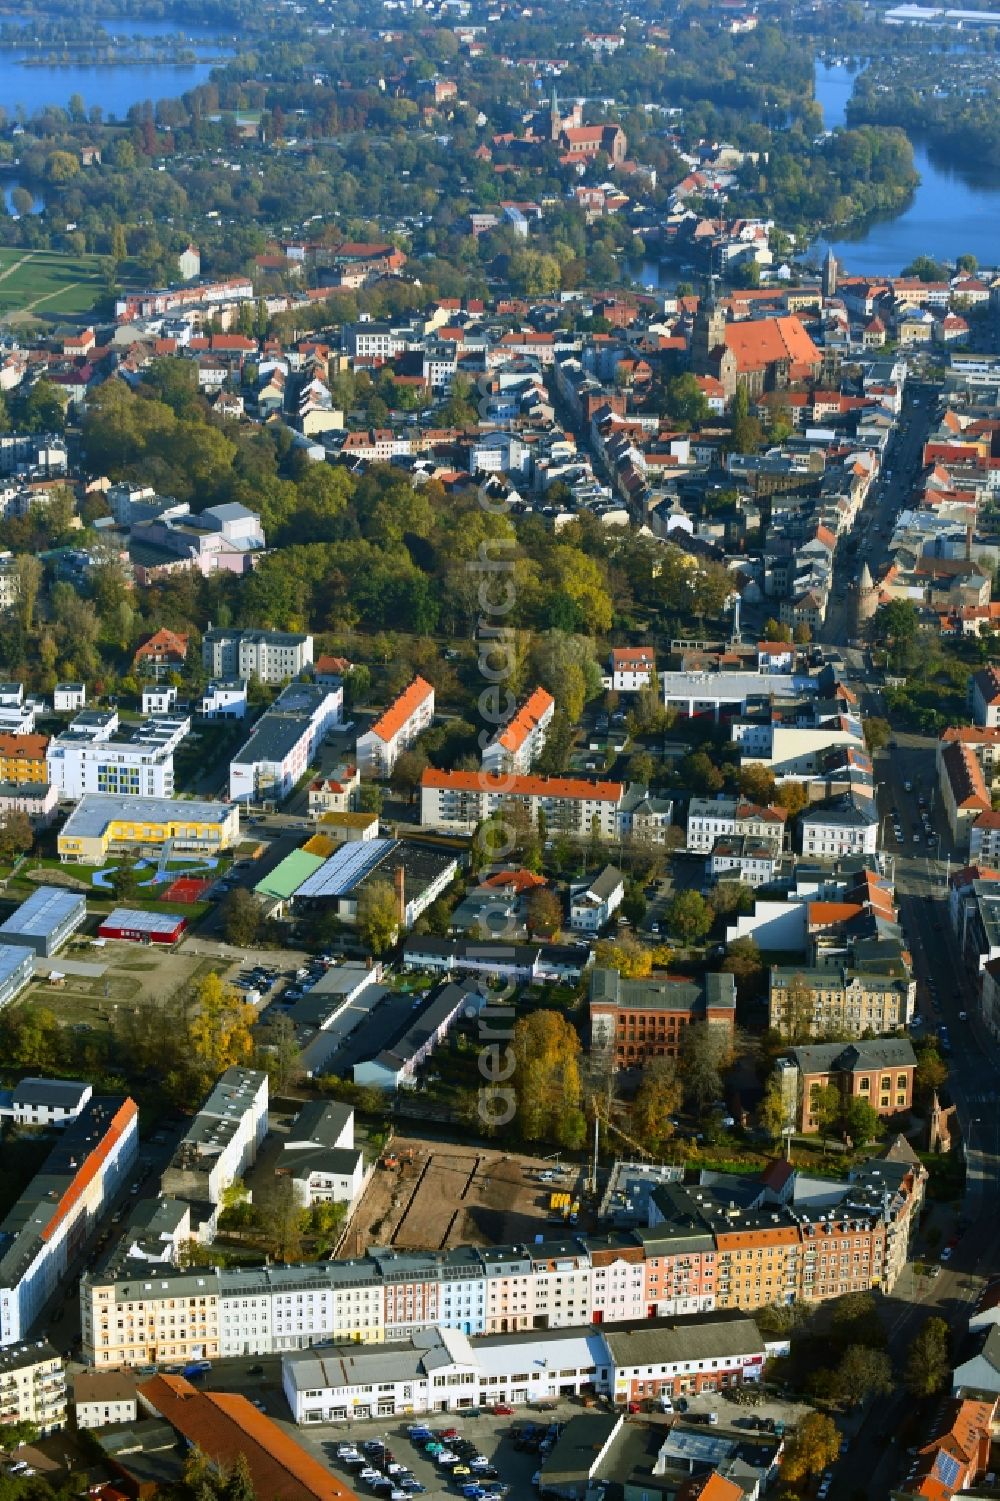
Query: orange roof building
pixel 396 730
pixel 225 1426
pixel 519 744
pixel 462 799
pixel 22 758
pixel 164 648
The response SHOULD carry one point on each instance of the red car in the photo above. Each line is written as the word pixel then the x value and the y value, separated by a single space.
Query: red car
pixel 450 1433
pixel 501 1410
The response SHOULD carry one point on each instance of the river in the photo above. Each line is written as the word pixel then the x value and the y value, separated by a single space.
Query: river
pixel 954 210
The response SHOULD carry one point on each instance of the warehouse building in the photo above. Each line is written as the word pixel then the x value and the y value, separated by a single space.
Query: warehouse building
pixel 17 965
pixel 45 920
pixel 394 1066
pixel 136 926
pixel 417 874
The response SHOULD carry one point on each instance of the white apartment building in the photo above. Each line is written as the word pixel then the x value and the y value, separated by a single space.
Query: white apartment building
pixel 67 698
pixel 104 1397
pixel 270 656
pixel 221 1142
pixel 320 1157
pixel 846 825
pixel 593 903
pixel 395 731
pixel 500 453
pixel 33 1386
pixel 750 861
pixel 283 743
pixel 518 745
pixel 711 819
pixel 792 751
pixel 224 700
pixel 95 754
pixel 60 1207
pixel 158 698
pixel 632 668
pixel 49 1102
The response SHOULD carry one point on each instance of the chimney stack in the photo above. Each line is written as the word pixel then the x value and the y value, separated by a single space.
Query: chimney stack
pixel 399 880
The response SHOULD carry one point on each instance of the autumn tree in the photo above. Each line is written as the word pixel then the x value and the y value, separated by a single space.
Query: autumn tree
pixel 29 580
pixel 813 1446
pixel 861 1120
pixel 774 1113
pixel 930 1073
pixel 547 1080
pixel 798 1014
pixel 280 1053
pixel 219 1033
pixel 824 1108
pixel 283 1218
pixel 793 797
pixel 657 1099
pixel 378 916
pixel 756 782
pixel 705 1053
pixel 16 835
pixel 627 955
pixel 928 1363
pixel 877 732
pixel 544 912
pixel 745 962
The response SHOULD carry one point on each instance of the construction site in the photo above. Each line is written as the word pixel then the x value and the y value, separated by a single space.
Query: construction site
pixel 429 1195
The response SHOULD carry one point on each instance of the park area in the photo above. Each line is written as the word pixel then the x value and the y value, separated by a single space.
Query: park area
pixel 46 285
pixel 443 1195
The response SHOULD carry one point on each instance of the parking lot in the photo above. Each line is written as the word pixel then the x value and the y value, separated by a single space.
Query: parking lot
pixel 493 1437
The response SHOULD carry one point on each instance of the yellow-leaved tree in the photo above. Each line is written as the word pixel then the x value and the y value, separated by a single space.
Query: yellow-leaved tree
pixel 219 1028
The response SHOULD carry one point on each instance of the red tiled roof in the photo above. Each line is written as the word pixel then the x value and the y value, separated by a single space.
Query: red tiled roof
pixel 517 730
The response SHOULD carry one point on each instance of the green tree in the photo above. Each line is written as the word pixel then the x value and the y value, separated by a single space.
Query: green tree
pixel 861 1120
pixel 544 914
pixel 825 1108
pixel 863 1372
pixel 283 1218
pixel 689 917
pixel 878 733
pixel 930 1073
pixel 125 882
pixel 29 581
pixel 378 916
pixel 928 1361
pixel 241 918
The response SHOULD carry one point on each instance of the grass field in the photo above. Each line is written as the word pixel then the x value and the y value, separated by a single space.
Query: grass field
pixel 46 285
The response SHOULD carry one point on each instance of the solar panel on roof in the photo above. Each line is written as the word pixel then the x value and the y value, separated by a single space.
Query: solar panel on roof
pixel 345 868
pixel 947 1469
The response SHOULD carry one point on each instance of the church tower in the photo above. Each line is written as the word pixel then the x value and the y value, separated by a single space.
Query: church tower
pixel 865 598
pixel 830 275
pixel 555 119
pixel 707 335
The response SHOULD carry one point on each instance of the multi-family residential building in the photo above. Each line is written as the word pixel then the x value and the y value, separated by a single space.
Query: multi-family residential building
pixel 224 700
pixel 283 743
pixel 635 1020
pixel 61 1206
pixel 593 903
pixel 879 1070
pixel 847 824
pixel 219 1145
pixel 984 694
pixel 984 839
pixel 520 742
pixel 23 759
pixel 711 819
pixel 96 754
pixel 269 656
pixel 965 796
pixel 984 744
pixel 49 1102
pixel 33 1386
pixel 728 1243
pixel 462 799
pixel 754 862
pixel 338 792
pixel 632 668
pixel 320 1157
pixel 101 825
pixel 395 731
pixel 104 1397
pixel 838 999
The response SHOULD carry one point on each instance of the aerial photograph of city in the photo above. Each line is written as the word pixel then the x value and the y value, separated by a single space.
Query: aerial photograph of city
pixel 499 750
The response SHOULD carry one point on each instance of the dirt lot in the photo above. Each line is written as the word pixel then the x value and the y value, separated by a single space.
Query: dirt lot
pixel 126 974
pixel 447 1195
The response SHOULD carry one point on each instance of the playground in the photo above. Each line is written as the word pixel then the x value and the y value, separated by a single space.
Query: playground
pixel 180 877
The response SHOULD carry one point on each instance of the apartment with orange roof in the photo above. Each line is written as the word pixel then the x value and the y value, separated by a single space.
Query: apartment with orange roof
pixel 958 1455
pixel 517 746
pixel 47 1226
pixel 632 668
pixel 572 805
pixel 396 729
pixel 23 758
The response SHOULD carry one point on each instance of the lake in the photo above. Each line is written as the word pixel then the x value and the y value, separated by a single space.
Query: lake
pixel 955 210
pixel 116 87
